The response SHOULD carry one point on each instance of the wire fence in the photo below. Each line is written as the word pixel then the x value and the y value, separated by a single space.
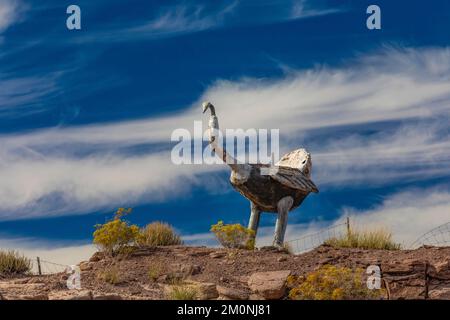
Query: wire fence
pixel 439 236
pixel 42 267
pixel 311 241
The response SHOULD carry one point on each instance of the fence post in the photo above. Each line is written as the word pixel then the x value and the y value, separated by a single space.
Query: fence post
pixel 39 265
pixel 348 226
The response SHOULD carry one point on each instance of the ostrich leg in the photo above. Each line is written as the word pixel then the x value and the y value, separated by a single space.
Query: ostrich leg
pixel 255 213
pixel 283 206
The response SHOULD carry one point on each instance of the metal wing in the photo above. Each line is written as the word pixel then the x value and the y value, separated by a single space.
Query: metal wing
pixel 293 178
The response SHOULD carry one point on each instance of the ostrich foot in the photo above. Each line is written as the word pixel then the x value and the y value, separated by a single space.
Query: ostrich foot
pixel 283 206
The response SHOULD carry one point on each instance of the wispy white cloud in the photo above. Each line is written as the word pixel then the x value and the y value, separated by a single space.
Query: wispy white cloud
pixel 185 19
pixel 408 153
pixel 302 9
pixel 23 93
pixel 10 13
pixel 169 22
pixel 35 184
pixel 376 88
pixel 74 170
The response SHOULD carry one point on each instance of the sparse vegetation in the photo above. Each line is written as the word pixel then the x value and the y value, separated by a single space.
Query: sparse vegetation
pixel 111 275
pixel 154 271
pixel 332 283
pixel 365 239
pixel 234 236
pixel 159 234
pixel 182 292
pixel 12 263
pixel 115 235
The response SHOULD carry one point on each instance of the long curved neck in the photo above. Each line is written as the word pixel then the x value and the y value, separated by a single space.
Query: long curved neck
pixel 218 149
pixel 213 111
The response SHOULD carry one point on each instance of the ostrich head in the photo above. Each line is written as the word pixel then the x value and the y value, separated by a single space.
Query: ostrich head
pixel 208 105
pixel 305 163
pixel 300 159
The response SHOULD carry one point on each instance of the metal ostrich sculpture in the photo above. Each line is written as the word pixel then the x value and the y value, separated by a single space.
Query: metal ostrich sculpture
pixel 277 188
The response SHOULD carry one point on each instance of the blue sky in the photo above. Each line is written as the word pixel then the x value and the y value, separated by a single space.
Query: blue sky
pixel 86 116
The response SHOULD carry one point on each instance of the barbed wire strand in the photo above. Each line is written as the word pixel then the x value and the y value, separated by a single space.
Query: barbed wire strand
pixel 437 237
pixel 311 241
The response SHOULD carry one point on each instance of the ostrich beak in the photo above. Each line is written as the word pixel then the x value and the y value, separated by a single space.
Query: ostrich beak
pixel 206 106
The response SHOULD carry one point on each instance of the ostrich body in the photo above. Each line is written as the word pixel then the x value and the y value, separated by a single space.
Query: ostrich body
pixel 277 188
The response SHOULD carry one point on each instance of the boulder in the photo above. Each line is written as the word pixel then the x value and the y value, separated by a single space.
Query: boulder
pixel 28 287
pixel 205 290
pixel 86 266
pixel 269 285
pixel 404 267
pixel 229 293
pixel 440 293
pixel 186 269
pixel 217 254
pixel 97 256
pixel 440 270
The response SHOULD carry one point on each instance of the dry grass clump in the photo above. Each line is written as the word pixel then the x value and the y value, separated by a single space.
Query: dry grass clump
pixel 110 275
pixel 155 270
pixel 365 239
pixel 182 292
pixel 12 263
pixel 159 234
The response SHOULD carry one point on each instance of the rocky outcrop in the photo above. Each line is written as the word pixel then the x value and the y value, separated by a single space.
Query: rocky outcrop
pixel 204 290
pixel 234 274
pixel 226 293
pixel 269 285
pixel 417 279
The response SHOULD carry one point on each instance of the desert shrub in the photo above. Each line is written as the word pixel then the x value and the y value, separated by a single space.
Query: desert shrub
pixel 110 275
pixel 116 234
pixel 332 283
pixel 12 263
pixel 159 234
pixel 182 292
pixel 155 270
pixel 365 239
pixel 234 235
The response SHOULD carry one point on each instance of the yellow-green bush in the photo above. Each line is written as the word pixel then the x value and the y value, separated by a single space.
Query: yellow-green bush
pixel 234 236
pixel 365 239
pixel 159 234
pixel 332 283
pixel 12 263
pixel 115 235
